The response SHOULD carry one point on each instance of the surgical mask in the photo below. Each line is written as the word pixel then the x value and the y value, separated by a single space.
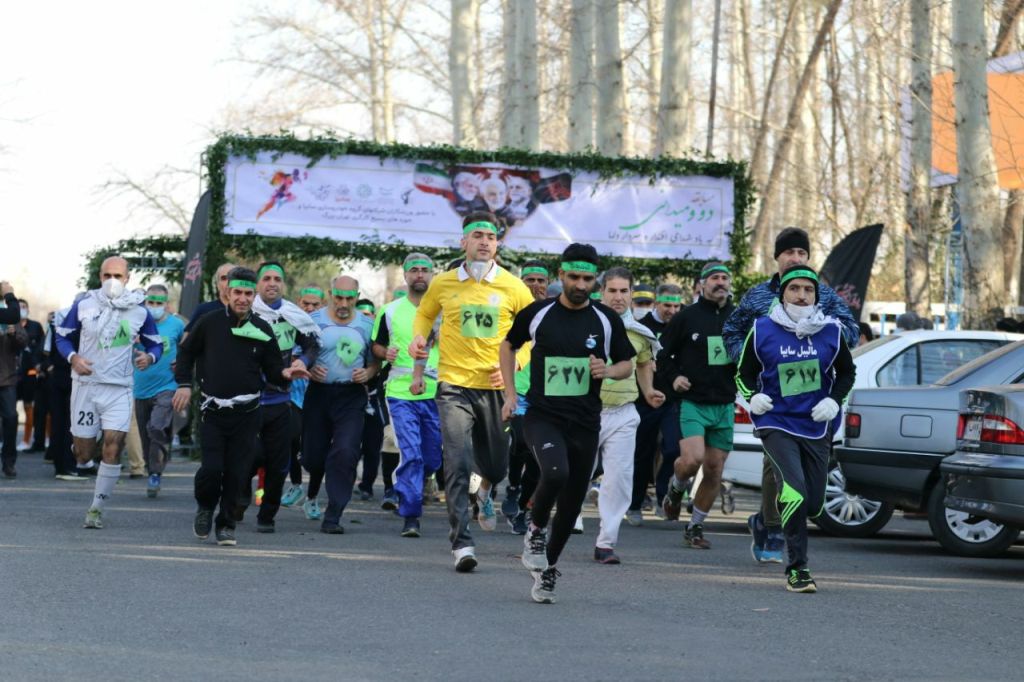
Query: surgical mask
pixel 477 269
pixel 113 288
pixel 24 313
pixel 799 312
pixel 157 311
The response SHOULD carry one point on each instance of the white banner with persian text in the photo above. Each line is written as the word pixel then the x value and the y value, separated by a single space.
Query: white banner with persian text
pixel 422 203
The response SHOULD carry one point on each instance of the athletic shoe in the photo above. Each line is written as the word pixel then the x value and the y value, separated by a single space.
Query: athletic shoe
pixel 257 497
pixel 9 471
pixel 264 526
pixel 465 559
pixel 800 580
pixel 365 495
pixel 430 489
pixel 312 509
pixel 73 476
pixel 759 537
pixel 153 485
pixel 774 545
pixel 411 528
pixel 87 471
pixel 648 504
pixel 488 520
pixel 293 495
pixel 332 528
pixel 535 549
pixel 390 501
pixel 659 512
pixel 635 517
pixel 510 505
pixel 693 536
pixel 93 519
pixel 226 537
pixel 672 503
pixel 137 474
pixel 203 523
pixel 543 591
pixel 577 528
pixel 594 492
pixel 519 524
pixel 606 555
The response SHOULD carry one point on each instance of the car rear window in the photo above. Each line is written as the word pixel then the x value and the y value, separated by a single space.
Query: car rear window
pixel 871 345
pixel 974 365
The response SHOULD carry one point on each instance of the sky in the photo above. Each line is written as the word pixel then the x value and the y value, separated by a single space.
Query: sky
pixel 87 88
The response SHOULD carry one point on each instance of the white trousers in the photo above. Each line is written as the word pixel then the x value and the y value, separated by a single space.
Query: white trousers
pixel 616 445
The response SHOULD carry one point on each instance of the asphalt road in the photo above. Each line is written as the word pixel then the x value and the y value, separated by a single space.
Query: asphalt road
pixel 143 599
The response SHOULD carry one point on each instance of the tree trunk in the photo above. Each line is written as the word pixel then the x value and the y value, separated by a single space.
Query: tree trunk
pixel 529 88
pixel 977 184
pixel 786 138
pixel 611 115
pixel 511 127
pixel 581 109
pixel 919 200
pixel 463 130
pixel 655 16
pixel 673 136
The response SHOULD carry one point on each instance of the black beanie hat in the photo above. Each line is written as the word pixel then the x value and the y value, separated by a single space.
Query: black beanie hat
pixel 790 238
pixel 799 272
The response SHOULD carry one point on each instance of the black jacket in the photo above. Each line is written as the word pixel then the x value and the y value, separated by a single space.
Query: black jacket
pixel 685 352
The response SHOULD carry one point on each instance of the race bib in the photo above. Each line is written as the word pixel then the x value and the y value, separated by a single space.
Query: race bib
pixel 167 343
pixel 348 351
pixel 478 321
pixel 796 378
pixel 716 351
pixel 249 331
pixel 123 337
pixel 566 376
pixel 285 334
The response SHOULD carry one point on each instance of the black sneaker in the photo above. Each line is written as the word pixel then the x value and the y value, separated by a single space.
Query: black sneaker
pixel 411 528
pixel 510 505
pixel 672 503
pixel 226 537
pixel 203 523
pixel 519 524
pixel 365 495
pixel 9 471
pixel 800 580
pixel 543 591
pixel 264 526
pixel 87 471
pixel 332 528
pixel 606 555
pixel 693 536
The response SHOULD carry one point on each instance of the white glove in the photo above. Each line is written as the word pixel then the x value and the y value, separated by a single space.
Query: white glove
pixel 825 410
pixel 760 403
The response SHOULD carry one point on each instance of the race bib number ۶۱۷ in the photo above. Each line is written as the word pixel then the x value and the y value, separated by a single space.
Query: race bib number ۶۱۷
pixel 796 378
pixel 566 376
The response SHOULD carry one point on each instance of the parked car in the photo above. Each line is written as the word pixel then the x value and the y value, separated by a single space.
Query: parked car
pixel 907 359
pixel 985 478
pixel 896 439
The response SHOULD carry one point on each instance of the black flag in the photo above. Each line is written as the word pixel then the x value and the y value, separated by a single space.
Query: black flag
pixel 848 268
pixel 195 256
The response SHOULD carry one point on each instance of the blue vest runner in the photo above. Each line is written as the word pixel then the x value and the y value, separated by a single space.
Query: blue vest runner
pixel 797 374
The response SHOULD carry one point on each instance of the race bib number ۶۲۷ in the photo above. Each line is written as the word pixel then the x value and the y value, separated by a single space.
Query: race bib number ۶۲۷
pixel 478 321
pixel 566 376
pixel 796 378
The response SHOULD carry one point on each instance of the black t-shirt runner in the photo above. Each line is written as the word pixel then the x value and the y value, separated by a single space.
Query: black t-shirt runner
pixel 563 341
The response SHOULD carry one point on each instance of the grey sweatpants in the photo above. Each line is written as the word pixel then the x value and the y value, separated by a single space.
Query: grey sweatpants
pixel 154 415
pixel 474 440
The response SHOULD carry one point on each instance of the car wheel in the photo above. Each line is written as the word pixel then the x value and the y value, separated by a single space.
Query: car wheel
pixel 850 516
pixel 964 534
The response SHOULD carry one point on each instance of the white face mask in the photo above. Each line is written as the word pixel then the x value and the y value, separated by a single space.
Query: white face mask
pixel 156 311
pixel 24 313
pixel 113 288
pixel 799 312
pixel 477 269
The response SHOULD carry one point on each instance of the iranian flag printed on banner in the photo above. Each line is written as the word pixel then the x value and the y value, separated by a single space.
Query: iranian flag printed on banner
pixel 432 180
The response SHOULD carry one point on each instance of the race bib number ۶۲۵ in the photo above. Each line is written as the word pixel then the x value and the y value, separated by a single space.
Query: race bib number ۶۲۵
pixel 478 321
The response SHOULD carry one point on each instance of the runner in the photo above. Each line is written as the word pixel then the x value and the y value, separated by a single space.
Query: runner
pixel 154 390
pixel 695 367
pixel 477 302
pixel 411 403
pixel 58 372
pixel 311 299
pixel 619 418
pixel 107 320
pixel 796 369
pixel 231 350
pixel 31 383
pixel 643 300
pixel 220 279
pixel 573 341
pixel 12 340
pixel 335 403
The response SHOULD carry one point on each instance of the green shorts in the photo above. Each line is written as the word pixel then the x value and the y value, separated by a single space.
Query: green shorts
pixel 713 422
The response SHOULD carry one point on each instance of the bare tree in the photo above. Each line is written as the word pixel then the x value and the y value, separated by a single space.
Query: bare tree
pixel 611 111
pixel 464 13
pixel 529 85
pixel 581 112
pixel 163 197
pixel 918 224
pixel 673 135
pixel 511 114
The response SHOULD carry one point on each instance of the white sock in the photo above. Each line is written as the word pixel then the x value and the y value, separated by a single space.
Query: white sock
pixel 677 484
pixel 106 479
pixel 482 494
pixel 88 465
pixel 698 516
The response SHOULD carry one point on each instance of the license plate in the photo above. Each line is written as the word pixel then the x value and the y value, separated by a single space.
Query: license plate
pixel 972 430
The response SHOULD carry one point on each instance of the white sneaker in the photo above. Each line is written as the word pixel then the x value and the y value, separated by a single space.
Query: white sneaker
pixel 474 483
pixel 594 493
pixel 543 591
pixel 535 549
pixel 465 559
pixel 635 517
pixel 577 529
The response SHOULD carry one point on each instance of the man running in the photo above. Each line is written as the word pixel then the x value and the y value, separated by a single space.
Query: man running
pixel 231 350
pixel 796 369
pixel 643 300
pixel 220 280
pixel 413 410
pixel 477 302
pixel 619 418
pixel 107 321
pixel 792 247
pixel 335 403
pixel 576 343
pixel 311 298
pixel 154 390
pixel 694 366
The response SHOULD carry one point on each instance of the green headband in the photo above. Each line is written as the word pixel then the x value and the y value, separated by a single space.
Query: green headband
pixel 706 272
pixel 241 284
pixel 401 293
pixel 798 274
pixel 367 307
pixel 480 225
pixel 271 267
pixel 669 298
pixel 347 293
pixel 595 295
pixel 643 296
pixel 534 270
pixel 418 262
pixel 312 291
pixel 157 298
pixel 579 266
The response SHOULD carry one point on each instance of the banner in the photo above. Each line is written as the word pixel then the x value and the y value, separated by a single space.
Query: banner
pixel 195 252
pixel 422 203
pixel 848 268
